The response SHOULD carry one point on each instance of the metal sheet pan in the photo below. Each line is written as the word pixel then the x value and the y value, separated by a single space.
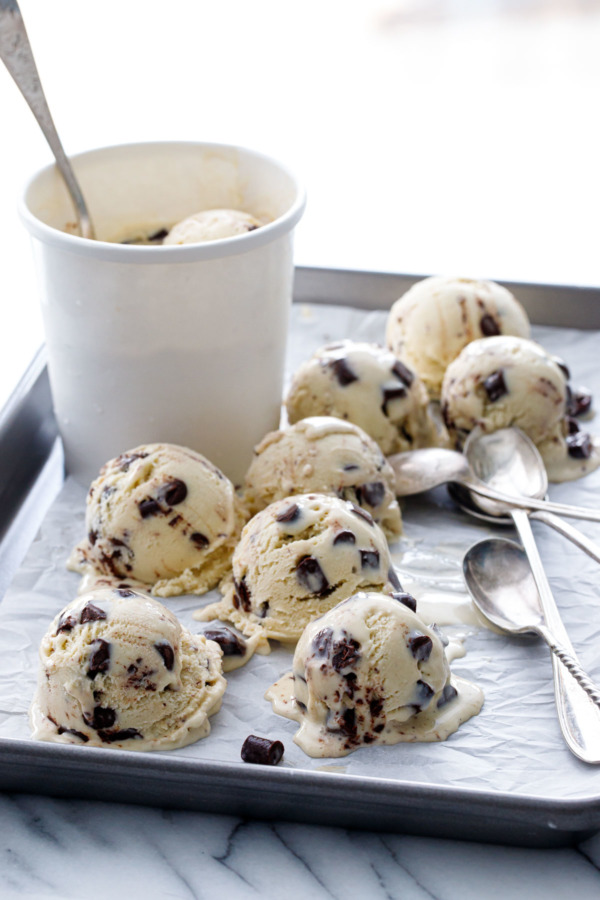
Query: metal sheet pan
pixel 31 476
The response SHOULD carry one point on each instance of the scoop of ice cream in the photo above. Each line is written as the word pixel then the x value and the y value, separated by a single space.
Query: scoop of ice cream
pixel 211 225
pixel 499 382
pixel 329 456
pixel 365 384
pixel 432 322
pixel 161 515
pixel 370 671
pixel 298 558
pixel 117 669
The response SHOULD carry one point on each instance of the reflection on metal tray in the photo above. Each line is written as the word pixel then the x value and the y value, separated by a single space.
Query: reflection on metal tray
pixel 31 476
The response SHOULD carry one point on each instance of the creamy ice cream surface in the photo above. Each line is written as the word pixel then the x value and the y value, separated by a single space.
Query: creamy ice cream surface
pixel 369 671
pixel 499 382
pixel 162 516
pixel 431 323
pixel 296 559
pixel 326 455
pixel 117 669
pixel 365 384
pixel 211 225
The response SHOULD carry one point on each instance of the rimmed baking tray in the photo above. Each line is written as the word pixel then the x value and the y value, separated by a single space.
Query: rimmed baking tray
pixel 31 475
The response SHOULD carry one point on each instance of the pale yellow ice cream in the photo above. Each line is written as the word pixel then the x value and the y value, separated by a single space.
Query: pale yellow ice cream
pixel 329 456
pixel 365 384
pixel 432 322
pixel 499 382
pixel 370 671
pixel 163 516
pixel 296 559
pixel 211 225
pixel 117 669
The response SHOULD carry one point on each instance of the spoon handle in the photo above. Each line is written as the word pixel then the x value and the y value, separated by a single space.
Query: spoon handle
pixel 572 664
pixel 516 502
pixel 17 55
pixel 578 715
pixel 572 534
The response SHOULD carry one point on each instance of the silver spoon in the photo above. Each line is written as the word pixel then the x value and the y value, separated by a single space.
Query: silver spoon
pixel 504 588
pixel 509 461
pixel 422 470
pixel 16 53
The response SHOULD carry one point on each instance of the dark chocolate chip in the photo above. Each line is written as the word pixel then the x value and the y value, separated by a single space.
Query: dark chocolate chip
pixel 448 694
pixel 66 623
pixel 363 514
pixel 578 402
pixel 369 559
pixel 344 654
pixel 393 578
pixel 102 717
pixel 579 445
pixel 124 592
pixel 128 734
pixel 403 373
pixel 489 326
pixel 344 537
pixel 406 599
pixel 175 521
pixel 423 694
pixel 168 654
pixel 289 515
pixel 125 460
pixel 573 425
pixel 563 367
pixel 200 540
pixel 263 609
pixel 372 493
pixel 376 706
pixel 158 236
pixel 343 371
pixel 262 751
pixel 74 732
pixel 229 642
pixel 350 467
pixel 92 537
pixel 311 576
pixel 420 645
pixel 149 507
pixel 495 386
pixel 242 595
pixel 389 394
pixel 91 613
pixel 347 722
pixel 99 657
pixel 173 492
pixel 322 642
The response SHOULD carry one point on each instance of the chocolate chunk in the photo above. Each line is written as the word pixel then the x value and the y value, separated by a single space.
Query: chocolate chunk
pixel 124 592
pixel 420 645
pixel 263 609
pixel 200 540
pixel 344 537
pixel 403 373
pixel 578 402
pixel 376 706
pixel 311 576
pixel 389 394
pixel 99 657
pixel 128 734
pixel 393 578
pixel 158 236
pixel 369 559
pixel 405 598
pixel 347 722
pixel 168 654
pixel 423 694
pixel 343 371
pixel 125 460
pixel 495 386
pixel 448 694
pixel 563 367
pixel 229 642
pixel 175 521
pixel 92 537
pixel 149 507
pixel 91 613
pixel 363 514
pixel 350 467
pixel 242 595
pixel 102 717
pixel 66 623
pixel 573 425
pixel 322 642
pixel 345 654
pixel 74 732
pixel 372 493
pixel 291 514
pixel 262 751
pixel 579 445
pixel 489 326
pixel 173 492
